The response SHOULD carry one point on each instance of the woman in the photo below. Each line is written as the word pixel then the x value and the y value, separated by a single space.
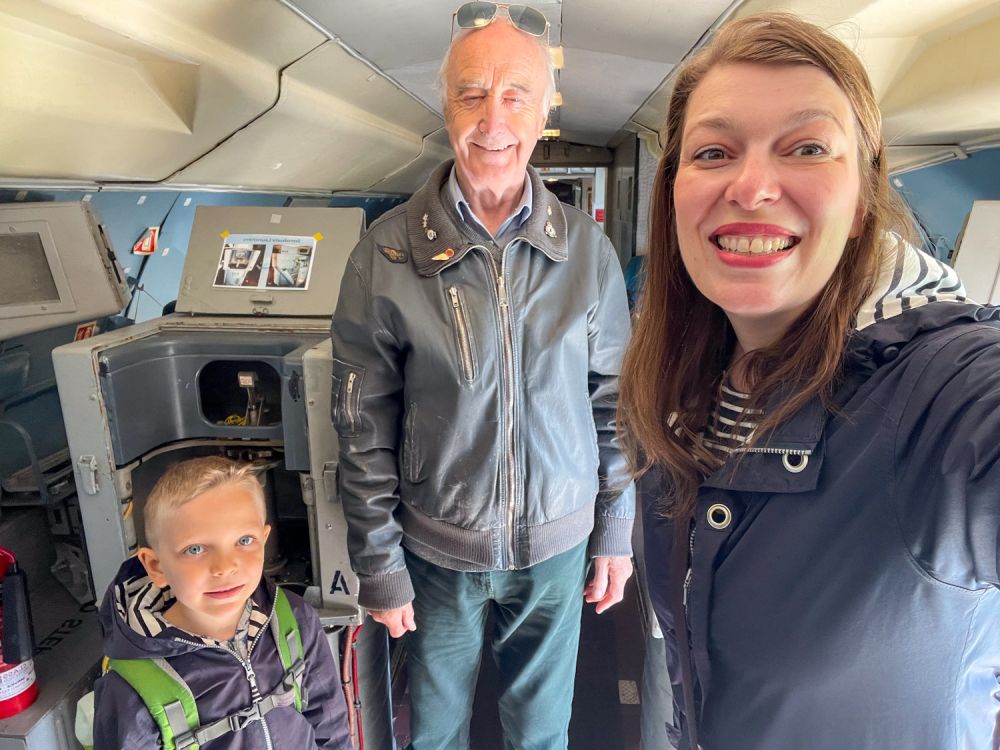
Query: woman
pixel 821 409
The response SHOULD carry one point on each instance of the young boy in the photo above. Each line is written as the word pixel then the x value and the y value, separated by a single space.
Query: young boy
pixel 193 605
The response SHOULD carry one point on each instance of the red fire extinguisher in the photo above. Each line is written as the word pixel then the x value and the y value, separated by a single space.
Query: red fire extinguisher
pixel 18 688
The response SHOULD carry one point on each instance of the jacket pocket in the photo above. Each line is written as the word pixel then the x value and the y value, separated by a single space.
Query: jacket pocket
pixel 346 398
pixel 463 336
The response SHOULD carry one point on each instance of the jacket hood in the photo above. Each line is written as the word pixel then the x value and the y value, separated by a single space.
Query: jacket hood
pixel 131 629
pixel 915 293
pixel 439 237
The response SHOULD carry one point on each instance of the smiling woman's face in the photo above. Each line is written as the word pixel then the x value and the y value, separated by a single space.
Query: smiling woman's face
pixel 767 191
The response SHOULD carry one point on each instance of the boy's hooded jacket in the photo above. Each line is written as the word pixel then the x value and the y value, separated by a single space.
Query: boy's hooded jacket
pixel 217 678
pixel 852 600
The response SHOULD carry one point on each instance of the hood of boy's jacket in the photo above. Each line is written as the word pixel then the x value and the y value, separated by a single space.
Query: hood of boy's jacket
pixel 131 629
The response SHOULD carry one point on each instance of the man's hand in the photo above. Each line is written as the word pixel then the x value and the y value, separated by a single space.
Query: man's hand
pixel 399 620
pixel 607 581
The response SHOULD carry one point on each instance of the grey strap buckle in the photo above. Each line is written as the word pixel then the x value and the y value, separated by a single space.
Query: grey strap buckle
pixel 242 719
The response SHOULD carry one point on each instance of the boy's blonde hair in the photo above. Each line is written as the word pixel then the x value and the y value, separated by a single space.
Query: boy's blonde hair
pixel 184 481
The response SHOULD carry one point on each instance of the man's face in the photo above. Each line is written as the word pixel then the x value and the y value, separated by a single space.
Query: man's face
pixel 494 110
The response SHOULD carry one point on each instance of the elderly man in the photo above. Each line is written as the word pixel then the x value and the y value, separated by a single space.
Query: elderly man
pixel 476 344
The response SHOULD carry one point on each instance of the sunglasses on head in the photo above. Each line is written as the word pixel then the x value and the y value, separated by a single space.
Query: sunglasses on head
pixel 476 15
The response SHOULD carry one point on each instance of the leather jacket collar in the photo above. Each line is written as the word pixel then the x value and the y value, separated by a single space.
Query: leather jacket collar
pixel 439 237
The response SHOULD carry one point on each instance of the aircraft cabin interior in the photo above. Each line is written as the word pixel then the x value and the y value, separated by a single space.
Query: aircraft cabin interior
pixel 153 152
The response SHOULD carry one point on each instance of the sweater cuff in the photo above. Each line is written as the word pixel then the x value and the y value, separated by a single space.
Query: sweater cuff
pixel 611 537
pixel 387 591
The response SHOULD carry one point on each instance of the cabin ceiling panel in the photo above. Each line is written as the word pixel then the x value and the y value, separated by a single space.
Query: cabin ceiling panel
pixel 594 107
pixel 921 107
pixel 625 48
pixel 651 30
pixel 927 18
pixel 390 33
pixel 436 149
pixel 337 126
pixel 888 58
pixel 134 90
pixel 408 46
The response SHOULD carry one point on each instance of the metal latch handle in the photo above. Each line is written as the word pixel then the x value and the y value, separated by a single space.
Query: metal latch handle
pixel 88 473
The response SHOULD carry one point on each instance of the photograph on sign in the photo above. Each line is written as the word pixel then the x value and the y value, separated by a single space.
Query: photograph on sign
pixel 255 261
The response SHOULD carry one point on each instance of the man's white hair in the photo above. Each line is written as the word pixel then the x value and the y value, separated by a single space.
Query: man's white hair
pixel 541 41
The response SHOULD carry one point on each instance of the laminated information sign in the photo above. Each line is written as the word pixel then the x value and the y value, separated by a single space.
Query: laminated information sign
pixel 265 261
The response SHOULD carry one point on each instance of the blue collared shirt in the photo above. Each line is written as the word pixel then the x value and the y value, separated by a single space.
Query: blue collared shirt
pixel 509 228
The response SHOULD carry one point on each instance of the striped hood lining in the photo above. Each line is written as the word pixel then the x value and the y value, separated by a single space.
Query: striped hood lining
pixel 141 605
pixel 909 279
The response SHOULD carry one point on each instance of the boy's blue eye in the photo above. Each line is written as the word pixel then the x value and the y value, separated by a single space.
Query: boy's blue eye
pixel 194 549
pixel 246 540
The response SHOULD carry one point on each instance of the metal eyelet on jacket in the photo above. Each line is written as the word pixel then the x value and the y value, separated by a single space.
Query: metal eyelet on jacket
pixel 719 516
pixel 800 464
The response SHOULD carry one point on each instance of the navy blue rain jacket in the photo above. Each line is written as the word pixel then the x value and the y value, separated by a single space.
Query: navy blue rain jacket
pixel 216 677
pixel 853 602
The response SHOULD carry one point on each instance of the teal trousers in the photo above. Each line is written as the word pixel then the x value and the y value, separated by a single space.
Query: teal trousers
pixel 534 640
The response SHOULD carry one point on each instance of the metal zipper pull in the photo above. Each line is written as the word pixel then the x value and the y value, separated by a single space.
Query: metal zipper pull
pixel 501 291
pixel 251 676
pixel 350 383
pixel 453 291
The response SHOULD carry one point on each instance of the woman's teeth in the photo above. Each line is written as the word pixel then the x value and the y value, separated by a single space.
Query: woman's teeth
pixel 753 245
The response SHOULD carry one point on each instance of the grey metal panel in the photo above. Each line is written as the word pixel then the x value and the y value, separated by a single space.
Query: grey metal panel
pixel 336 230
pixel 105 494
pixel 338 584
pixel 109 533
pixel 154 388
pixel 294 420
pixel 88 281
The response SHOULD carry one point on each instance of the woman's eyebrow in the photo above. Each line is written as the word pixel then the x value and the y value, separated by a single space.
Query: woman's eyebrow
pixel 728 124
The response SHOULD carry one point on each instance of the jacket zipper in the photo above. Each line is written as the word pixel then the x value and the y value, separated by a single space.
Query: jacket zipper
pixel 690 570
pixel 462 331
pixel 351 377
pixel 503 312
pixel 801 454
pixel 247 668
pixel 777 451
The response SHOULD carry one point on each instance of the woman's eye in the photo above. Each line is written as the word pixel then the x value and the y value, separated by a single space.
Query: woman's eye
pixel 810 149
pixel 710 154
pixel 193 550
pixel 246 540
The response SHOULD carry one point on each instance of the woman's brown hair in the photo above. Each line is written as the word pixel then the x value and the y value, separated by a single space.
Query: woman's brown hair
pixel 682 342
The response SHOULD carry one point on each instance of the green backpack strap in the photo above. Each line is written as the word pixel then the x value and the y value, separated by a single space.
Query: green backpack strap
pixel 285 629
pixel 166 695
